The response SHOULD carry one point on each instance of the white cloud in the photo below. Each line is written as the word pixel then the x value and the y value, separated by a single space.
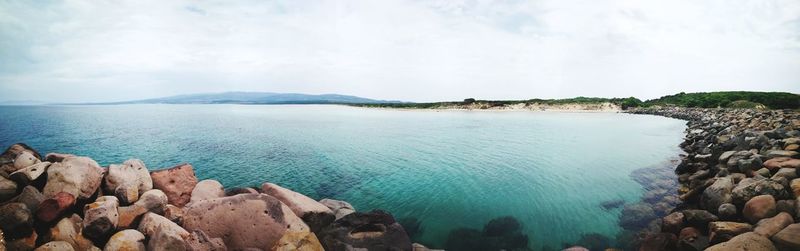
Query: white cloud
pixel 409 50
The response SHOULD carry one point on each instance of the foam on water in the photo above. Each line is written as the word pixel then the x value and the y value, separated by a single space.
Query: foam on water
pixel 448 169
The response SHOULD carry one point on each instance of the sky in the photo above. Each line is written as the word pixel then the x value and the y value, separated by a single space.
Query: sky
pixel 99 51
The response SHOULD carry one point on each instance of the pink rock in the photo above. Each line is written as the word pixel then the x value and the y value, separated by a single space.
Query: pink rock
pixel 53 208
pixel 315 214
pixel 176 182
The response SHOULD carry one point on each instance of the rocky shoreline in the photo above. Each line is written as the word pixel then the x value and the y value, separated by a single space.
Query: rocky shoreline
pixel 738 183
pixel 68 202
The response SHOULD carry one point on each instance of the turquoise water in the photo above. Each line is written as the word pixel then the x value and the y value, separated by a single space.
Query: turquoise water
pixel 447 168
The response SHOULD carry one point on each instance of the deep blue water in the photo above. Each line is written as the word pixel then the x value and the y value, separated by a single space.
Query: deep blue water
pixel 447 168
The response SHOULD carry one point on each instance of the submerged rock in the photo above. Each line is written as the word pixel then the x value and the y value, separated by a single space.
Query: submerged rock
pixel 636 216
pixel 177 183
pixel 375 230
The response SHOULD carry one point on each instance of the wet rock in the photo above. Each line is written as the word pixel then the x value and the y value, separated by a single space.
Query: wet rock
pixel 759 207
pixel 53 208
pixel 339 208
pixel 782 162
pixel 126 240
pixel 721 231
pixel 55 246
pixel 302 241
pixel 372 231
pixel 16 220
pixel 770 226
pixel 672 223
pixel 242 221
pixel 727 211
pixel 69 230
pixel 177 183
pixel 198 240
pixel 206 190
pixel 162 233
pixel 30 173
pixel 745 241
pixel 8 189
pixel 128 180
pixel 781 153
pixel 101 218
pixel 699 218
pixel 79 176
pixel 313 213
pixel 717 194
pixel 636 216
pixel 151 201
pixel 659 241
pixel 789 237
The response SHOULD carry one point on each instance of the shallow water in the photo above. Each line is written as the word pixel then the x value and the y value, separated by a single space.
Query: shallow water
pixel 449 169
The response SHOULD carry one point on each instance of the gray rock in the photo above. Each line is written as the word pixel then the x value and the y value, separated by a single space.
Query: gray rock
pixel 16 220
pixel 749 188
pixel 636 216
pixel 375 230
pixel 717 194
pixel 727 211
pixel 340 208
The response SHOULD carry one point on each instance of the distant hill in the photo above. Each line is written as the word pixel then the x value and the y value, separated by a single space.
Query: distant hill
pixel 741 99
pixel 256 98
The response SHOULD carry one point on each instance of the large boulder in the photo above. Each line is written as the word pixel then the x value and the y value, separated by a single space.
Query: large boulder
pixel 151 201
pixel 313 213
pixel 16 220
pixel 68 229
pixel 207 189
pixel 339 208
pixel 789 237
pixel 162 233
pixel 243 221
pixel 128 180
pixel 79 176
pixel 374 230
pixel 698 218
pixel 177 183
pixel 721 231
pixel 8 158
pixel 770 226
pixel 53 208
pixel 786 173
pixel 29 196
pixel 717 194
pixel 745 241
pixel 672 223
pixel 759 207
pixel 199 240
pixel 126 240
pixel 101 218
pixel 749 188
pixel 29 174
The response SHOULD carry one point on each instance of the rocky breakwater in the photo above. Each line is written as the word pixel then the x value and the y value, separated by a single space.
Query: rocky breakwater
pixel 738 182
pixel 68 202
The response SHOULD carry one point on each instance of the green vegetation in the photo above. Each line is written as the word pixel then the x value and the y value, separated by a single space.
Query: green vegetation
pixel 737 99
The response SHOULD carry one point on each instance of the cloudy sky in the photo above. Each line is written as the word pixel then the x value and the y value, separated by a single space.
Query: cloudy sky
pixel 70 51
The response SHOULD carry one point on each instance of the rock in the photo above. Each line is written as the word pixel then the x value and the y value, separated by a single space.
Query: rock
pixel 749 188
pixel 372 231
pixel 177 183
pixel 717 194
pixel 55 246
pixel 173 213
pixel 770 226
pixel 699 218
pixel 29 174
pixel 69 230
pixel 314 214
pixel 792 147
pixel 759 207
pixel 781 162
pixel 207 189
pixel 786 206
pixel 607 205
pixel 101 218
pixel 780 153
pixel 30 197
pixel 126 240
pixel 723 158
pixel 636 216
pixel 199 240
pixel 691 239
pixel 25 159
pixel 721 231
pixel 240 190
pixel 787 173
pixel 128 181
pixel 672 223
pixel 658 241
pixel 795 185
pixel 745 241
pixel 242 221
pixel 573 248
pixel 8 158
pixel 162 233
pixel 151 201
pixel 8 189
pixel 16 220
pixel 789 237
pixel 53 208
pixel 303 241
pixel 57 157
pixel 727 211
pixel 25 243
pixel 79 176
